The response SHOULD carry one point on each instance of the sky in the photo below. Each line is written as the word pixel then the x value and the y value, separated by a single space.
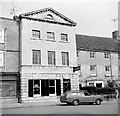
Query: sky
pixel 93 17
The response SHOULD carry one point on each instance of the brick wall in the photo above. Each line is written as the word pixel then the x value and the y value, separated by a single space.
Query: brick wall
pixel 11 44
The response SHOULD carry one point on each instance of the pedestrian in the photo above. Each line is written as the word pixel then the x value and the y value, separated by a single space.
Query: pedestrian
pixel 117 93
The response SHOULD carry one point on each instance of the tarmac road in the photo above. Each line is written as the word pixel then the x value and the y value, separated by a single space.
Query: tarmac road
pixel 107 107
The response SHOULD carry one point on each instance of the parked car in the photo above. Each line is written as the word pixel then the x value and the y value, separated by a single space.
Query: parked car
pixel 76 97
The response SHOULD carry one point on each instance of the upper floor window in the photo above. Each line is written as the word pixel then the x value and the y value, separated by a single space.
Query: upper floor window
pixel 92 55
pixel 93 69
pixel 1 36
pixel 77 53
pixel 51 57
pixel 118 55
pixel 65 58
pixel 64 37
pixel 107 55
pixel 107 68
pixel 35 34
pixel 1 59
pixel 50 36
pixel 36 56
pixel 119 68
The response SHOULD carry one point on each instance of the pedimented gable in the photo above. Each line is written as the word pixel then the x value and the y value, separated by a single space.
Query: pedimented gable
pixel 49 15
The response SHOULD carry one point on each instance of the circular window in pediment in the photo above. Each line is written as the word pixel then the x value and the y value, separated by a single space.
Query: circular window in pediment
pixel 49 16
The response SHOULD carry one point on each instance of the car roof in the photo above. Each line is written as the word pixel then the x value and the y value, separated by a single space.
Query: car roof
pixel 76 91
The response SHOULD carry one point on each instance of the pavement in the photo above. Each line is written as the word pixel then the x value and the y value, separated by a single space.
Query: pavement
pixel 7 105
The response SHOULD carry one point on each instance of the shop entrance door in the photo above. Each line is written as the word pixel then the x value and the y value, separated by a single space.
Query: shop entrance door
pixel 66 85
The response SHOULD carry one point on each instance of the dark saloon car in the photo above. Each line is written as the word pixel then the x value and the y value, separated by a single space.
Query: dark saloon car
pixel 76 97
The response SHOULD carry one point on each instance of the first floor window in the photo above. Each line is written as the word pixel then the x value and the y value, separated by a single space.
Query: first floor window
pixel 93 69
pixel 1 59
pixel 65 58
pixel 1 36
pixel 36 56
pixel 51 57
pixel 107 68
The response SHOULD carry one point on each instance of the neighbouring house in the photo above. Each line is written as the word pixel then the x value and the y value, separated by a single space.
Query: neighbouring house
pixel 9 58
pixel 48 55
pixel 119 37
pixel 98 60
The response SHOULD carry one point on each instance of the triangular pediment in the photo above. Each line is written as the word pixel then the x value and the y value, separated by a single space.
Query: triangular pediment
pixel 48 15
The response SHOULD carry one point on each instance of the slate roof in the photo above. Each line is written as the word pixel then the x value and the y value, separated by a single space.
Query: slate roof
pixel 93 43
pixel 26 15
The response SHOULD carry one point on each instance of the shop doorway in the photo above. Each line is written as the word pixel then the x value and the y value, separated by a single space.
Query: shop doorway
pixel 66 85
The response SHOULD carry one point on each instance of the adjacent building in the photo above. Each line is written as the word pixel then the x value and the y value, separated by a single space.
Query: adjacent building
pixel 9 57
pixel 119 37
pixel 48 55
pixel 97 59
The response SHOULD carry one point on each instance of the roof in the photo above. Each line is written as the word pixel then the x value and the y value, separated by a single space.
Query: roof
pixel 26 15
pixel 94 43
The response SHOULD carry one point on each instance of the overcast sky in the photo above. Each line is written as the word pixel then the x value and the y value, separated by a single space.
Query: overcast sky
pixel 93 17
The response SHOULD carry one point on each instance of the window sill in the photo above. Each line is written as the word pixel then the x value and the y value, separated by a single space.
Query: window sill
pixel 64 41
pixel 108 75
pixel 50 40
pixel 1 42
pixel 93 75
pixel 36 38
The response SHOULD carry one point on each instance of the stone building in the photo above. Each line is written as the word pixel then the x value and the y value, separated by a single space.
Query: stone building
pixel 9 57
pixel 48 55
pixel 98 60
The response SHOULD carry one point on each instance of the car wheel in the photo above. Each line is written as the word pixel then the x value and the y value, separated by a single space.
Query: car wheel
pixel 98 102
pixel 75 102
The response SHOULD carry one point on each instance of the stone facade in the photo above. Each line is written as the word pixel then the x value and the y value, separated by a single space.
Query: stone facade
pixel 44 81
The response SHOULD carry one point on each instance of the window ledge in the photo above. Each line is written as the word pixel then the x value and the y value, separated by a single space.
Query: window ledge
pixel 50 40
pixel 108 75
pixel 93 75
pixel 35 38
pixel 64 41
pixel 1 42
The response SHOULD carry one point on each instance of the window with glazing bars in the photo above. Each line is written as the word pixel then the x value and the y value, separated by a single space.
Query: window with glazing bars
pixel 50 36
pixel 36 34
pixel 65 58
pixel 51 57
pixel 36 56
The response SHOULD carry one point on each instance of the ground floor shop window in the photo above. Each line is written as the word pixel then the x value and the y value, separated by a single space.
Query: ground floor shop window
pixel 44 87
pixel 8 88
pixel 36 87
pixel 91 84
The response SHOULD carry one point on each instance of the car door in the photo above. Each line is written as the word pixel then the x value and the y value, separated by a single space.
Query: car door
pixel 88 98
pixel 81 97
